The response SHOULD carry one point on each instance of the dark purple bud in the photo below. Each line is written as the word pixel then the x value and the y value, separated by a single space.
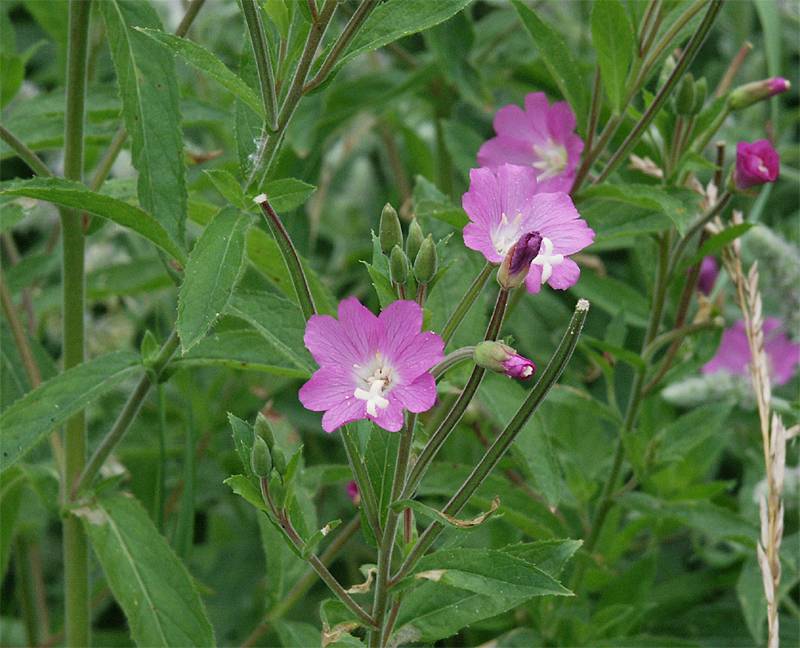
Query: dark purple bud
pixel 517 263
pixel 709 269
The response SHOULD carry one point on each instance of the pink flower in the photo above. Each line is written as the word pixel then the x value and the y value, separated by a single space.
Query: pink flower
pixel 370 367
pixel 709 269
pixel 733 355
pixel 501 358
pixel 504 204
pixel 519 367
pixel 756 164
pixel 541 137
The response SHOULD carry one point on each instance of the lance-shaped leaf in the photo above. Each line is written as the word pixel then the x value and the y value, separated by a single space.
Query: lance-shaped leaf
pixel 148 580
pixel 66 193
pixel 212 271
pixel 612 37
pixel 30 418
pixel 448 520
pixel 149 92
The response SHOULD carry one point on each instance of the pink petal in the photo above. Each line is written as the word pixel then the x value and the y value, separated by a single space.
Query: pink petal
pixel 477 237
pixel 329 386
pixel 533 282
pixel 329 343
pixel 360 325
pixel 482 201
pixel 517 187
pixel 564 275
pixel 424 351
pixel 560 121
pixel 554 216
pixel 536 109
pixel 391 418
pixel 419 396
pixel 559 184
pixel 505 150
pixel 733 354
pixel 400 322
pixel 343 413
pixel 512 122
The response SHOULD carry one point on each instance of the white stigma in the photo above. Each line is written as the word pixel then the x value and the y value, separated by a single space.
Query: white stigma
pixel 547 259
pixel 373 397
pixel 507 233
pixel 552 159
pixel 527 371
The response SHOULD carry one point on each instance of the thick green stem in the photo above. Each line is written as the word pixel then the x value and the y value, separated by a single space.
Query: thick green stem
pixel 127 415
pixel 459 407
pixel 463 306
pixel 503 442
pixel 76 554
pixel 290 257
pixel 266 79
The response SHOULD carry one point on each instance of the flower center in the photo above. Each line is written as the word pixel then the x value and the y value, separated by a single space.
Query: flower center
pixel 762 168
pixel 547 259
pixel 506 233
pixel 374 379
pixel 552 159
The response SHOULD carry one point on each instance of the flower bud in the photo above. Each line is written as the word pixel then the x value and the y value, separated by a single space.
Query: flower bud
pixel 756 163
pixel 501 358
pixel 700 93
pixel 750 93
pixel 398 266
pixel 427 262
pixel 709 269
pixel 684 97
pixel 389 230
pixel 260 461
pixel 414 240
pixel 263 430
pixel 517 263
pixel 666 70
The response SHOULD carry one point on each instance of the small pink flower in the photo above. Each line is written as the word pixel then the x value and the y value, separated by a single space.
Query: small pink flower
pixel 756 164
pixel 353 492
pixel 709 269
pixel 370 367
pixel 733 355
pixel 519 367
pixel 541 137
pixel 504 204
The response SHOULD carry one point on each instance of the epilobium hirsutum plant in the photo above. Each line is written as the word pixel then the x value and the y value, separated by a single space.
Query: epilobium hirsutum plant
pixel 363 236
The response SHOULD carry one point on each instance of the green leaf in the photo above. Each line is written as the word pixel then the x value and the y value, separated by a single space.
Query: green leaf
pixel 278 320
pixel 558 59
pixel 148 580
pixel 242 349
pixel 30 418
pixel 214 267
pixel 380 459
pixel 11 215
pixel 548 555
pixel 715 243
pixel 243 436
pixel 430 202
pixel 228 187
pixel 613 39
pixel 678 205
pixel 682 435
pixel 149 92
pixel 287 194
pixel 613 296
pixel 74 194
pixel 12 483
pixel 12 73
pixel 204 61
pixel 245 488
pixel 295 633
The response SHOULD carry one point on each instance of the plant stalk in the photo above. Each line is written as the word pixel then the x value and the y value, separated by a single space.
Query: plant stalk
pixel 24 153
pixel 266 79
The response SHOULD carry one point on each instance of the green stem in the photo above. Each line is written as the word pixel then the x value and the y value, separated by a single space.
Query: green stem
pixel 368 499
pixel 266 79
pixel 686 58
pixel 76 553
pixel 501 444
pixel 459 407
pixel 25 589
pixel 127 415
pixel 452 359
pixel 676 335
pixel 463 306
pixel 696 228
pixel 24 153
pixel 158 504
pixel 290 257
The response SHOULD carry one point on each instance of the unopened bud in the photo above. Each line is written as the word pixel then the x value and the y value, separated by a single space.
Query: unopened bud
pixel 750 93
pixel 389 229
pixel 260 461
pixel 264 430
pixel 517 263
pixel 427 262
pixel 684 97
pixel 414 240
pixel 501 358
pixel 398 266
pixel 666 70
pixel 700 93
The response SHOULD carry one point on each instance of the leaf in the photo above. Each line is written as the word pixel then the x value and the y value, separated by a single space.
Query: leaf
pixel 30 418
pixel 12 73
pixel 278 320
pixel 242 349
pixel 148 580
pixel 558 59
pixel 380 459
pixel 243 486
pixel 678 205
pixel 690 430
pixel 548 555
pixel 228 187
pixel 242 439
pixel 430 202
pixel 287 194
pixel 12 483
pixel 214 267
pixel 74 194
pixel 612 37
pixel 11 215
pixel 613 296
pixel 204 61
pixel 382 285
pixel 715 243
pixel 149 92
pixel 295 633
pixel 448 520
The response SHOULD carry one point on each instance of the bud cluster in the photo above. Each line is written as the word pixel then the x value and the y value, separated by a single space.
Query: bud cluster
pixel 416 261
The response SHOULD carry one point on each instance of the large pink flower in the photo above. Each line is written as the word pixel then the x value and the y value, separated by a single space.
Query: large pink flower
pixel 504 204
pixel 756 164
pixel 733 355
pixel 370 367
pixel 541 137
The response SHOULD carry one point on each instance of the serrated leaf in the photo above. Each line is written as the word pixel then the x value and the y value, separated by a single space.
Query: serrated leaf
pixel 30 418
pixel 612 37
pixel 558 59
pixel 148 580
pixel 212 271
pixel 149 92
pixel 76 195
pixel 201 59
